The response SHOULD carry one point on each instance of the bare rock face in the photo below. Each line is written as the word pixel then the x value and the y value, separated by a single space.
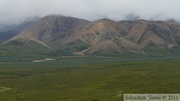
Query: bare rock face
pixel 86 37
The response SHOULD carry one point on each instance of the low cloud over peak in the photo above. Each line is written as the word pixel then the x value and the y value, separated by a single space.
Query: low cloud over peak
pixel 13 11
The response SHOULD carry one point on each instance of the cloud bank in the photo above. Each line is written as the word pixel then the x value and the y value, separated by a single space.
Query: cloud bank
pixel 12 11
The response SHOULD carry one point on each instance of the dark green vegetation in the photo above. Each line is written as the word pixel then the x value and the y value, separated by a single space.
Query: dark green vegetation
pixel 87 79
pixel 19 50
pixel 26 51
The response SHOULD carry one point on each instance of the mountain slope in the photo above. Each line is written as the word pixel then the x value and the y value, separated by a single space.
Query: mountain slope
pixel 16 29
pixel 105 35
pixel 23 48
pixel 159 33
pixel 51 28
pixel 84 37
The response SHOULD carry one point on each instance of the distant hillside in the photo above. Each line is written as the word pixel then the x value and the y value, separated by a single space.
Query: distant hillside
pixel 103 36
pixel 12 30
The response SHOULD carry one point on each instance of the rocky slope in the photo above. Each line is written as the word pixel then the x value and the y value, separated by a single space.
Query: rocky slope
pixel 80 36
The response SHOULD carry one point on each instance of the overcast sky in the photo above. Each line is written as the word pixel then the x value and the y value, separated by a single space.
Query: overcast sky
pixel 17 10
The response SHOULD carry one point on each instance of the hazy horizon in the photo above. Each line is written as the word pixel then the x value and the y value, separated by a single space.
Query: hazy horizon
pixel 14 11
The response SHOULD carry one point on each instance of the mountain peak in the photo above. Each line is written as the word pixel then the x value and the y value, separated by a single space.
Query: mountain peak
pixel 79 35
pixel 173 22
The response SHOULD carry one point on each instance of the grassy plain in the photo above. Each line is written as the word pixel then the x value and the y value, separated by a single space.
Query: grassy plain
pixel 87 78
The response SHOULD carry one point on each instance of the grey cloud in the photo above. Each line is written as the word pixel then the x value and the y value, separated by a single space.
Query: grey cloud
pixel 16 10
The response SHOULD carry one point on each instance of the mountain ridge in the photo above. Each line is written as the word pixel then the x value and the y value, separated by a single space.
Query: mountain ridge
pixel 85 37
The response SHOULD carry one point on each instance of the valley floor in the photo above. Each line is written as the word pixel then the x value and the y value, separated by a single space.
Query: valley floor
pixel 87 79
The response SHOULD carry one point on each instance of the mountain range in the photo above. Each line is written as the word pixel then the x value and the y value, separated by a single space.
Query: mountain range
pixel 55 34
